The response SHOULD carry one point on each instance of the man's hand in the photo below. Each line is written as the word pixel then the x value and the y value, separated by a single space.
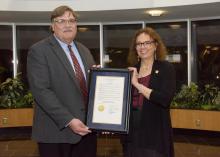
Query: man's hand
pixel 96 66
pixel 78 127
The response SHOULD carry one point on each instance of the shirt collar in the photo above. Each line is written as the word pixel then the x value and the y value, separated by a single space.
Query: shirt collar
pixel 63 44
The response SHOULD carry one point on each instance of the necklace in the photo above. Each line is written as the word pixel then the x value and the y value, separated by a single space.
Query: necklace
pixel 145 70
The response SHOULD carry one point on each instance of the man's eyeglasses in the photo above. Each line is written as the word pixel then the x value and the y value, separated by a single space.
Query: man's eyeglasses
pixel 63 22
pixel 144 44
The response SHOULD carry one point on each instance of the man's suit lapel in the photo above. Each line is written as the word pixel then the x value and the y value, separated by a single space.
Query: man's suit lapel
pixel 63 58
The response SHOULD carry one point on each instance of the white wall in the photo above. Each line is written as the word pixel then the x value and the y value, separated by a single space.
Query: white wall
pixel 92 5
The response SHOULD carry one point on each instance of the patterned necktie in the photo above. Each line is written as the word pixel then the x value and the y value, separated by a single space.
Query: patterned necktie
pixel 79 75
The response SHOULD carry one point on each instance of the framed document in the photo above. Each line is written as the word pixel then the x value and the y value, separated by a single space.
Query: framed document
pixel 109 100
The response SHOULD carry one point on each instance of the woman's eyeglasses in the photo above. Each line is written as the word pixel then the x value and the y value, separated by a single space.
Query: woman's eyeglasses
pixel 144 44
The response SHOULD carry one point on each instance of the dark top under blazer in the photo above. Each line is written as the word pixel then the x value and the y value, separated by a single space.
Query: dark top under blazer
pixel 155 130
pixel 56 91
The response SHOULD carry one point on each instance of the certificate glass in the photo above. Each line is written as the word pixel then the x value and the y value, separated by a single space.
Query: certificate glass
pixel 109 100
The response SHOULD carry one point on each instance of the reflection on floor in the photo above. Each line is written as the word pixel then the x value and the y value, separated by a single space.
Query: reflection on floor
pixel 15 142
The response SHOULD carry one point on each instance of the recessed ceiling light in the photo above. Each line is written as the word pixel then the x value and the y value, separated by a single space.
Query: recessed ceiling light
pixel 155 12
pixel 216 48
pixel 175 26
pixel 207 47
pixel 83 29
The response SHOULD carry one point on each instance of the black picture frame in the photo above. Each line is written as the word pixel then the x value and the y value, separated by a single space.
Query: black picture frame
pixel 97 115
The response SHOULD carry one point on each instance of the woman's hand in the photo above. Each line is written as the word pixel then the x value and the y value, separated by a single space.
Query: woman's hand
pixel 134 79
pixel 141 88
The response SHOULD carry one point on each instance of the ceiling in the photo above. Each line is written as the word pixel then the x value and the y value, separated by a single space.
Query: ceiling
pixel 172 13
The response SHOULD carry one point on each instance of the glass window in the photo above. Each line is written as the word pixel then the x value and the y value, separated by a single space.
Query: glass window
pixel 6 52
pixel 88 35
pixel 207 51
pixel 174 36
pixel 26 37
pixel 117 39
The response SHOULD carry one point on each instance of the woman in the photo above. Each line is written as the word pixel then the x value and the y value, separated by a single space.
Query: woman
pixel 153 81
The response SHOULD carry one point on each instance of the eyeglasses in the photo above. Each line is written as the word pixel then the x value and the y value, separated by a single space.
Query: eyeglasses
pixel 63 22
pixel 144 44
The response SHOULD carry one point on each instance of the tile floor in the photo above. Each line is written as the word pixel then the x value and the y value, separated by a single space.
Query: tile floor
pixel 15 142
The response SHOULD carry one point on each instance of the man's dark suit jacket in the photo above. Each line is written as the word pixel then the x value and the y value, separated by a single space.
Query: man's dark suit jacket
pixel 56 91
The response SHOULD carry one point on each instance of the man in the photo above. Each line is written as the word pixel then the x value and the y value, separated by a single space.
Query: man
pixel 57 72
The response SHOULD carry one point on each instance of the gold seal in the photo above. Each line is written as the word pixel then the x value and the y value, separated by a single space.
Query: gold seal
pixel 101 108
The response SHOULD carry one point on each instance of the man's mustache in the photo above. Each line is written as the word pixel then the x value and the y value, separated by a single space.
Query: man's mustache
pixel 67 30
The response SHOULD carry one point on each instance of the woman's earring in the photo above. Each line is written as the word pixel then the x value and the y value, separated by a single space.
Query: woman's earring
pixel 155 54
pixel 138 58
